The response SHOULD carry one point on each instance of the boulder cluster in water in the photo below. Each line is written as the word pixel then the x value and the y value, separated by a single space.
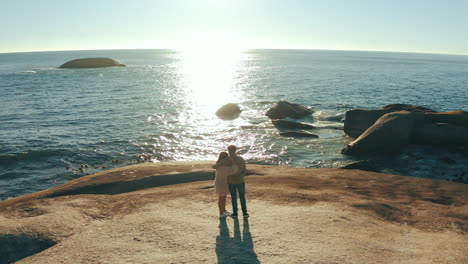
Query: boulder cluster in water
pixel 277 113
pixel 391 129
pixel 382 131
pixel 394 127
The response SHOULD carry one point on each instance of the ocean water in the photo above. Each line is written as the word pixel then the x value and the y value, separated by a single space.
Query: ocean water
pixel 60 124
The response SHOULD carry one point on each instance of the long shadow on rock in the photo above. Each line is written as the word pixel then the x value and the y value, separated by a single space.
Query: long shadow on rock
pixel 145 183
pixel 236 249
pixel 19 246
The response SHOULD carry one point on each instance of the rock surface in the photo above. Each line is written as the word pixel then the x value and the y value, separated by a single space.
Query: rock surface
pixel 339 216
pixel 229 111
pixel 456 118
pixel 92 63
pixel 284 109
pixel 357 121
pixel 409 108
pixel 389 134
pixel 447 129
pixel 441 134
pixel 282 123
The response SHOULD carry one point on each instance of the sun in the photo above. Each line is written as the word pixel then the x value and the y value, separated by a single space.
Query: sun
pixel 209 69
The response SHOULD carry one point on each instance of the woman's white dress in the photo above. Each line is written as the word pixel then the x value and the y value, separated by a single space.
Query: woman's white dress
pixel 221 181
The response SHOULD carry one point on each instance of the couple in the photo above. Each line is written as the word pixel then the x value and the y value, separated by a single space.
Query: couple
pixel 230 172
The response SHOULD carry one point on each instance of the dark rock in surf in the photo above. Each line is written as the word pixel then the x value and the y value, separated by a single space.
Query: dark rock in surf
pixel 441 134
pixel 229 111
pixel 359 120
pixel 282 123
pixel 284 109
pixel 92 63
pixel 457 118
pixel 446 129
pixel 388 135
pixel 409 108
pixel 298 134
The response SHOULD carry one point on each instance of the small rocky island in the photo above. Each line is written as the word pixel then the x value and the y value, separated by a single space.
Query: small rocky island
pixel 92 63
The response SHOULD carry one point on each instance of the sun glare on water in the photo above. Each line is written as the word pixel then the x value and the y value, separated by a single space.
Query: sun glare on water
pixel 209 74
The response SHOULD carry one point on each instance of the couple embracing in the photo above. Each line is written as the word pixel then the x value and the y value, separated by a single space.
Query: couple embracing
pixel 230 172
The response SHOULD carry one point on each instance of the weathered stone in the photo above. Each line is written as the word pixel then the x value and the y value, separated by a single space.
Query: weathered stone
pixel 284 109
pixel 298 134
pixel 281 123
pixel 359 120
pixel 441 134
pixel 458 118
pixel 390 134
pixel 148 216
pixel 92 63
pixel 229 111
pixel 409 108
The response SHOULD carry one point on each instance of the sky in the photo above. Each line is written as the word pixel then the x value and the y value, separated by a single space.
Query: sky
pixel 430 26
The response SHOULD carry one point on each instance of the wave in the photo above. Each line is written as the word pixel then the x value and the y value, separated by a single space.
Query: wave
pixel 33 155
pixel 7 175
pixel 30 71
pixel 326 116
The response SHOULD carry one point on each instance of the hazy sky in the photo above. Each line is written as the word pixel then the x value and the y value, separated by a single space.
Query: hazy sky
pixel 436 26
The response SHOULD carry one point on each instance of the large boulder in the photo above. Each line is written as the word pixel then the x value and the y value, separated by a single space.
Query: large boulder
pixel 441 134
pixel 389 134
pixel 282 123
pixel 92 63
pixel 457 118
pixel 284 109
pixel 407 107
pixel 359 120
pixel 229 111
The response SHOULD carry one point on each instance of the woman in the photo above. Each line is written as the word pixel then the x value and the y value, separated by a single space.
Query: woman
pixel 224 167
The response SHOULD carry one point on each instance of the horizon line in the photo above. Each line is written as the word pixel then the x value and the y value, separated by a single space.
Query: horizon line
pixel 241 49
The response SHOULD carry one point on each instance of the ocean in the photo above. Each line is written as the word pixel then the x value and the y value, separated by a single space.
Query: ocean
pixel 60 124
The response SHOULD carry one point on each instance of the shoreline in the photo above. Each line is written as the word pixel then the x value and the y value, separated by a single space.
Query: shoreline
pixel 112 181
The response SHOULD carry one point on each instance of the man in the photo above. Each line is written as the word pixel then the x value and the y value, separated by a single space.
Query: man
pixel 236 182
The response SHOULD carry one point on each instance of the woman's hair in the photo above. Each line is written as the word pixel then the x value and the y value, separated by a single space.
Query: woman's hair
pixel 222 155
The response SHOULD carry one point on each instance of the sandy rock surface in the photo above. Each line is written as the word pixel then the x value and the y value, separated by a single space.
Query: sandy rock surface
pixel 147 214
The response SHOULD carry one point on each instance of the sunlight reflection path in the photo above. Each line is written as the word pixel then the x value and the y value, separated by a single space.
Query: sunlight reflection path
pixel 209 78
